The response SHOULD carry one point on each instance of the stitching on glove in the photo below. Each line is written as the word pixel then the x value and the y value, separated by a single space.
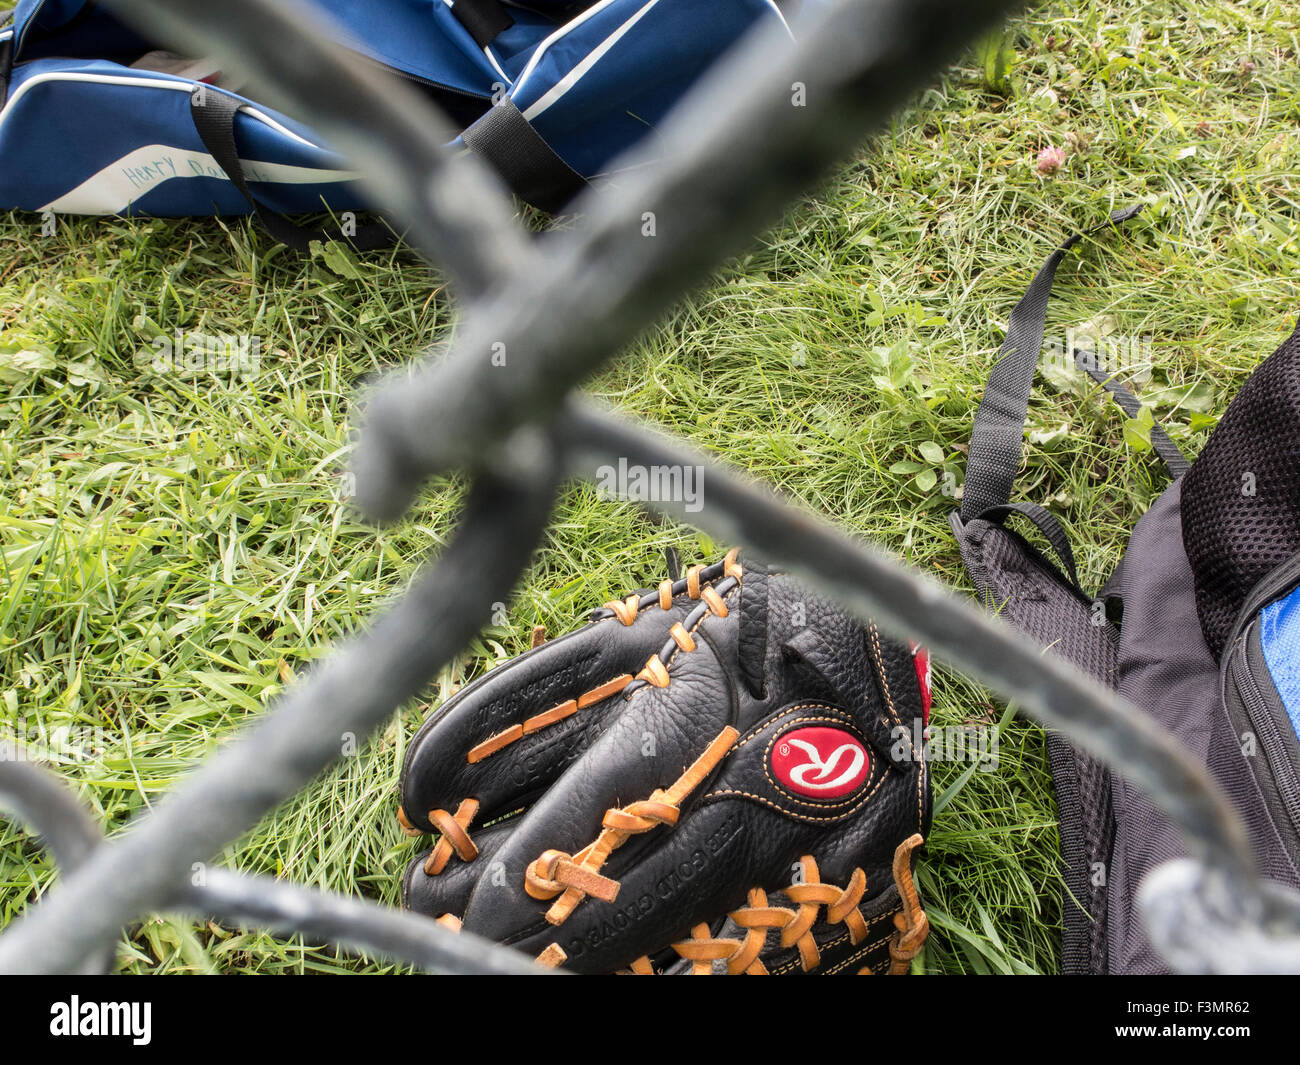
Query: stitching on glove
pixel 856 958
pixel 878 663
pixel 574 878
pixel 801 817
pixel 921 771
pixel 839 940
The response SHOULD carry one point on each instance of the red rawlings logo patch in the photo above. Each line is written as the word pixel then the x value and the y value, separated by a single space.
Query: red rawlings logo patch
pixel 921 659
pixel 820 762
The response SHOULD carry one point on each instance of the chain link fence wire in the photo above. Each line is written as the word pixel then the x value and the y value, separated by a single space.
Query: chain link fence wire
pixel 735 152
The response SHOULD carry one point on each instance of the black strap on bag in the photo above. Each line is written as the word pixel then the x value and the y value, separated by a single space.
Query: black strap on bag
pixel 214 118
pixel 997 436
pixel 1045 522
pixel 520 155
pixel 6 68
pixel 1046 603
pixel 483 20
pixel 1170 454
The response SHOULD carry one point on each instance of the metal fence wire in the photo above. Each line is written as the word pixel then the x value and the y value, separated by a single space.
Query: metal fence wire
pixel 736 151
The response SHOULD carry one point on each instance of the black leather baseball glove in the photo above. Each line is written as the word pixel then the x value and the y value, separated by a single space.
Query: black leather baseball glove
pixel 716 776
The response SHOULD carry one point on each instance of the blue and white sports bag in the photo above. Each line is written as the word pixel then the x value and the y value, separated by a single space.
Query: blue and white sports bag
pixel 96 119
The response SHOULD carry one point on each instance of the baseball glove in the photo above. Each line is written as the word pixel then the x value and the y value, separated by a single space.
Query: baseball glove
pixel 720 775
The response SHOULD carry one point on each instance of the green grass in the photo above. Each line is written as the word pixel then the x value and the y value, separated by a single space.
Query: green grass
pixel 172 548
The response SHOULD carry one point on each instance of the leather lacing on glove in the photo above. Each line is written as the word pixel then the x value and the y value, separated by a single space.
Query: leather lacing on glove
pixel 758 918
pixel 627 609
pixel 795 926
pixel 454 828
pixel 574 877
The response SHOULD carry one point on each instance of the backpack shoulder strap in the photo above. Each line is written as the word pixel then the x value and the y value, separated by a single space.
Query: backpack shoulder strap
pixel 1046 603
pixel 1170 453
pixel 997 437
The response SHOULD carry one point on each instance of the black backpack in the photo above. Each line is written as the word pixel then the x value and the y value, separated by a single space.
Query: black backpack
pixel 1199 626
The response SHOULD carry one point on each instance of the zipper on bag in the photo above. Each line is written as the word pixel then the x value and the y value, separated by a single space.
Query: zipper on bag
pixel 1253 707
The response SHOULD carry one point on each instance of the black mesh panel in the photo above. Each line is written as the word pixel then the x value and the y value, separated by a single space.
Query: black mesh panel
pixel 1241 499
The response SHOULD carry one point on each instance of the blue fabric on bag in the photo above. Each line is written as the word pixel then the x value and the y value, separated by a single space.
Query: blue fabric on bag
pixel 153 111
pixel 99 35
pixel 624 93
pixel 83 132
pixel 1279 637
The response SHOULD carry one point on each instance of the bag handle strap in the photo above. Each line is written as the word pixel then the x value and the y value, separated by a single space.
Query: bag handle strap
pixel 6 68
pixel 1170 454
pixel 214 113
pixel 997 436
pixel 533 170
pixel 483 19
pixel 1046 523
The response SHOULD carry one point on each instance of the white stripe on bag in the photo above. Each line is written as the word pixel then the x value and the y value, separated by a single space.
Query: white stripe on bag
pixel 121 183
pixel 557 91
